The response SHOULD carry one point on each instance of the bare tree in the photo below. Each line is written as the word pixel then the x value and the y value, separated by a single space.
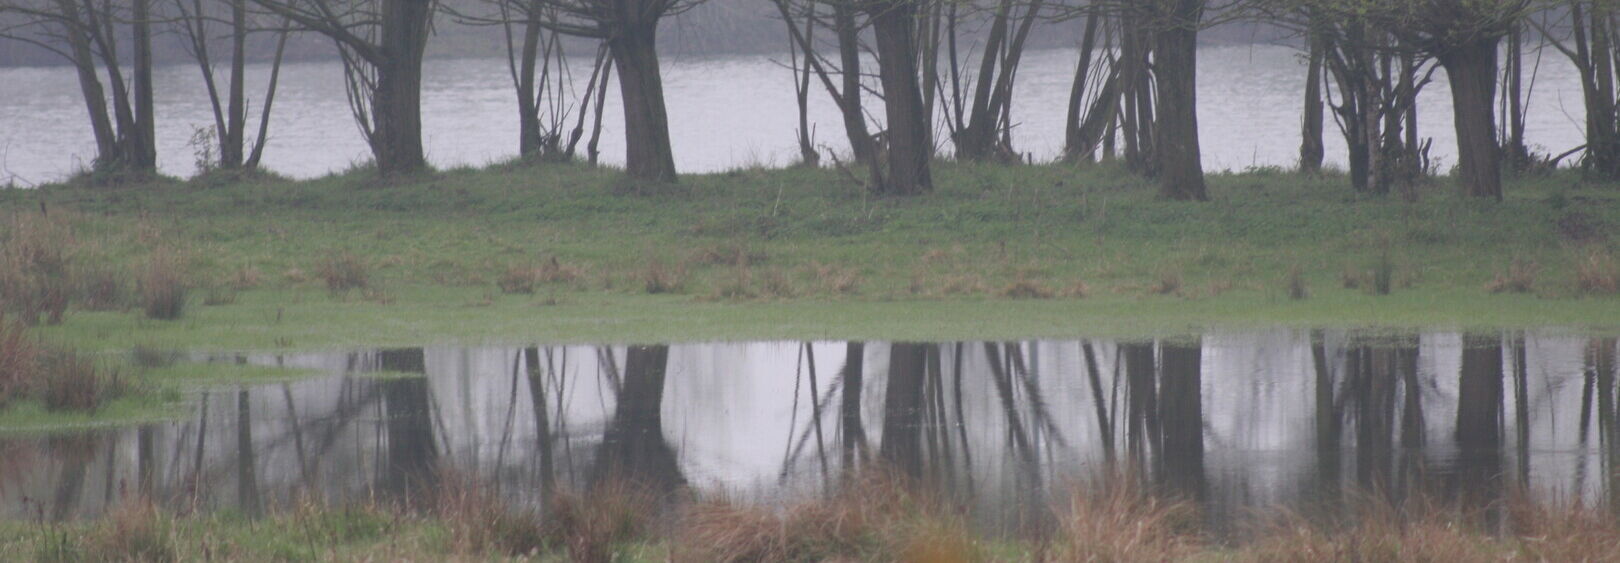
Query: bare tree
pixel 1093 105
pixel 1464 36
pixel 541 76
pixel 909 149
pixel 841 78
pixel 630 30
pixel 87 34
pixel 1586 37
pixel 980 126
pixel 381 43
pixel 230 115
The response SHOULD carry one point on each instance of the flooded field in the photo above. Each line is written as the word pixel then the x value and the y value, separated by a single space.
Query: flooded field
pixel 1234 420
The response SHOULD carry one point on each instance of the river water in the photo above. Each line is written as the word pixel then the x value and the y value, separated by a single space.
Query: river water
pixel 725 112
pixel 1240 420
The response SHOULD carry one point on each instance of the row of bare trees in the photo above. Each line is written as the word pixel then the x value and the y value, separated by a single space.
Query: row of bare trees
pixel 945 71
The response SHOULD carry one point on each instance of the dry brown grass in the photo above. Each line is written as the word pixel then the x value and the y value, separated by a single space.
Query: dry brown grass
pixel 479 521
pixel 1297 289
pixel 1169 283
pixel 1520 277
pixel 36 254
pixel 343 271
pixel 730 254
pixel 244 278
pixel 1022 287
pixel 657 278
pixel 60 379
pixel 163 286
pixel 102 289
pixel 1077 290
pixel 19 361
pixel 71 382
pixel 1597 273
pixel 875 517
pixel 836 279
pixel 590 525
pixel 295 275
pixel 135 531
pixel 518 280
pixel 963 284
pixel 775 283
pixel 737 285
pixel 1117 519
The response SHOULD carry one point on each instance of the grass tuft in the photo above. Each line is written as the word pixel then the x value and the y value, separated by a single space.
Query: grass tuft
pixel 136 531
pixel 163 286
pixel 343 271
pixel 1024 288
pixel 1597 273
pixel 1520 277
pixel 656 278
pixel 1297 289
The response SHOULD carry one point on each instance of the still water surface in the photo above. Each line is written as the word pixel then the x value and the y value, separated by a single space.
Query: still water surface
pixel 1238 420
pixel 725 112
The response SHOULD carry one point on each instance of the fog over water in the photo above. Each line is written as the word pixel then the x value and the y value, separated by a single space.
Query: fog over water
pixel 725 112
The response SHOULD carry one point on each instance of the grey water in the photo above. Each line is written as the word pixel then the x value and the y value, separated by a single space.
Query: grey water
pixel 726 112
pixel 1236 420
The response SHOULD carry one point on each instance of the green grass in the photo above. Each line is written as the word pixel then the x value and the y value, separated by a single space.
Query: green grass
pixel 825 260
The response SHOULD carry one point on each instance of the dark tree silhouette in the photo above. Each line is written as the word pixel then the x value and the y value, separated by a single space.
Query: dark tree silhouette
pixel 89 34
pixel 630 29
pixel 633 448
pixel 909 148
pixel 381 42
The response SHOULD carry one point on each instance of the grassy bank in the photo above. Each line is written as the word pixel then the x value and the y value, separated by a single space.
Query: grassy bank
pixel 559 253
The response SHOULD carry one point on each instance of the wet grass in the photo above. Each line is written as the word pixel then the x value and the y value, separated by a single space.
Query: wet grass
pixel 518 254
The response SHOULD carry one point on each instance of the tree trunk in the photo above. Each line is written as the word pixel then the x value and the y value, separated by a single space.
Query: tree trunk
pixel 1075 146
pixel 633 447
pixel 1311 148
pixel 903 409
pixel 849 56
pixel 231 144
pixel 528 58
pixel 1181 167
pixel 648 153
pixel 1471 67
pixel 90 88
pixel 397 102
pixel 1181 413
pixel 908 148
pixel 144 155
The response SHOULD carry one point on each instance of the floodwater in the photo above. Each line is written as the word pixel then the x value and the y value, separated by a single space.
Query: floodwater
pixel 725 113
pixel 1238 420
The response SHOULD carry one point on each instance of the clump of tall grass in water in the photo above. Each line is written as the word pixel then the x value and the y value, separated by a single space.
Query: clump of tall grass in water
pixel 60 379
pixel 71 382
pixel 163 286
